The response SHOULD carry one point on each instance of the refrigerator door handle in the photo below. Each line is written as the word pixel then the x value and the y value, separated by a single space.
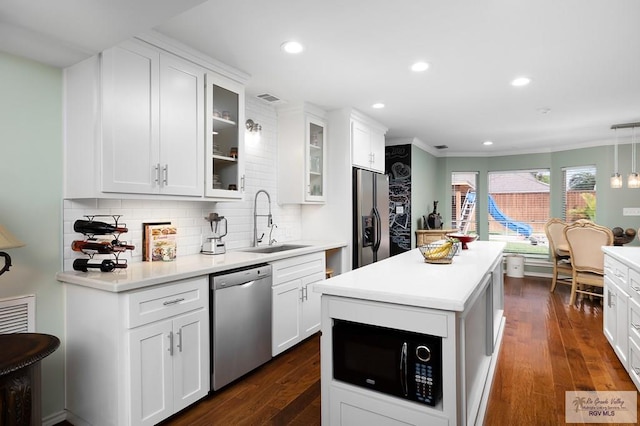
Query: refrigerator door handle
pixel 377 229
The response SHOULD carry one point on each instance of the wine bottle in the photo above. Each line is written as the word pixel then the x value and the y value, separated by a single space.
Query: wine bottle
pixel 93 227
pixel 102 247
pixel 106 265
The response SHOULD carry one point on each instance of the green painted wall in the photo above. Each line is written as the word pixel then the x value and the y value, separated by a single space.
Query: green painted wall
pixel 425 182
pixel 610 201
pixel 31 194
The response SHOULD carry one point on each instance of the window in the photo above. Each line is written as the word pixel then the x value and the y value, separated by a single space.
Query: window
pixel 518 207
pixel 579 193
pixel 463 202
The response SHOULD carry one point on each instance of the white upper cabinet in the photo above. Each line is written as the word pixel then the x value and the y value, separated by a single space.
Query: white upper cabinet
pixel 367 144
pixel 138 120
pixel 302 155
pixel 224 155
pixel 153 128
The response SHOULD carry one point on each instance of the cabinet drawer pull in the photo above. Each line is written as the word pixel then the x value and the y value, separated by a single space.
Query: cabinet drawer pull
pixel 173 302
pixel 636 370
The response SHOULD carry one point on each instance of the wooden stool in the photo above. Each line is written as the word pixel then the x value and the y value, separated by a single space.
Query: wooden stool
pixel 329 272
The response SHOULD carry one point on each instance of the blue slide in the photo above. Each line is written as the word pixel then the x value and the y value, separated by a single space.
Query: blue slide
pixel 519 227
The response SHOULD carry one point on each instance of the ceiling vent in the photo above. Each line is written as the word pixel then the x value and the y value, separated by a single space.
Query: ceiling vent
pixel 441 147
pixel 270 99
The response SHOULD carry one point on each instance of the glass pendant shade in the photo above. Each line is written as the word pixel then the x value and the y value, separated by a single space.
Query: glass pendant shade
pixel 633 181
pixel 616 180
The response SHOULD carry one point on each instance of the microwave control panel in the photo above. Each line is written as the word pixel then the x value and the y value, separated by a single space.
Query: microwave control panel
pixel 424 381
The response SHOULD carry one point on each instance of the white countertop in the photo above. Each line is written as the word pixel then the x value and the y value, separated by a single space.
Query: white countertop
pixel 144 274
pixel 628 255
pixel 407 279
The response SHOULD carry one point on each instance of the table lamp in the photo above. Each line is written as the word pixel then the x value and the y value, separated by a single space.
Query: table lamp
pixel 7 241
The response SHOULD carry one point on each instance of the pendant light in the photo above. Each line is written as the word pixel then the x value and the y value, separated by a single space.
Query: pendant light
pixel 616 179
pixel 633 181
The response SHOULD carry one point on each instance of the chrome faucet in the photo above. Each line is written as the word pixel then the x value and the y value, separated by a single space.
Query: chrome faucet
pixel 255 218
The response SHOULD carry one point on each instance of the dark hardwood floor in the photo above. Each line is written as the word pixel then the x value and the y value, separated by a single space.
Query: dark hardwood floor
pixel 548 348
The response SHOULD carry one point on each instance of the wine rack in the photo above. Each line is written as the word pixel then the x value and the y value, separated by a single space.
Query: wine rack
pixel 92 246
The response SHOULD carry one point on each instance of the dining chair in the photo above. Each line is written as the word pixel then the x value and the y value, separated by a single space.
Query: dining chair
pixel 562 270
pixel 586 240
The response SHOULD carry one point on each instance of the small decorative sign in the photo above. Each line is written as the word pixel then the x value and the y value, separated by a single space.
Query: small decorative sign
pixel 601 407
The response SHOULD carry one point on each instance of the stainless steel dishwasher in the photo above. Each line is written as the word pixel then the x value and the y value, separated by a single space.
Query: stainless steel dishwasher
pixel 241 322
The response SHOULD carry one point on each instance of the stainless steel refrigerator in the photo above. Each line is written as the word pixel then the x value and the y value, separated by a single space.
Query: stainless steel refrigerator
pixel 371 217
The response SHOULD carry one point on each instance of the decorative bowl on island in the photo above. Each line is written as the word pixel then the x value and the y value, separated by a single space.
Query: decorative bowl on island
pixel 438 251
pixel 463 238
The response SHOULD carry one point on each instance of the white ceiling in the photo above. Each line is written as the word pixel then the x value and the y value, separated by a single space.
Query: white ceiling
pixel 582 55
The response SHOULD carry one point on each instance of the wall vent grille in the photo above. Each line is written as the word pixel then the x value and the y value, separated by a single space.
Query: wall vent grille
pixel 17 314
pixel 269 98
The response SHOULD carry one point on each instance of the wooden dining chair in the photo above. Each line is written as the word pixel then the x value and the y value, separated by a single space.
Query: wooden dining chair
pixel 586 240
pixel 562 270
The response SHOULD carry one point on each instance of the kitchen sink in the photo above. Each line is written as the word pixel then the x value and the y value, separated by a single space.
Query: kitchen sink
pixel 273 249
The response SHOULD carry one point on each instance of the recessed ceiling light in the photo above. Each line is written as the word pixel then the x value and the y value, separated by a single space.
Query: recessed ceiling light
pixel 520 81
pixel 419 67
pixel 378 105
pixel 487 143
pixel 292 47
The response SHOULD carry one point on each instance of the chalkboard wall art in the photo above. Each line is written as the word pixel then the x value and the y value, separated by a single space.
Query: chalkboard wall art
pixel 398 166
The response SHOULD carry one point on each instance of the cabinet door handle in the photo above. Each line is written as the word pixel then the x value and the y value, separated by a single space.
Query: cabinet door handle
pixel 242 183
pixel 636 326
pixel 173 302
pixel 302 294
pixel 165 170
pixel 180 340
pixel 157 170
pixel 636 370
pixel 170 336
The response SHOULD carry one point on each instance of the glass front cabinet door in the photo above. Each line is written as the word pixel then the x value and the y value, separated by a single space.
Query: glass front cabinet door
pixel 315 175
pixel 302 155
pixel 224 149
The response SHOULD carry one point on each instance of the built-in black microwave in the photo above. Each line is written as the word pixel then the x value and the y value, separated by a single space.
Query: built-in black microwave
pixel 394 362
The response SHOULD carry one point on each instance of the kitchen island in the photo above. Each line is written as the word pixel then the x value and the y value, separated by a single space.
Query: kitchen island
pixel 460 303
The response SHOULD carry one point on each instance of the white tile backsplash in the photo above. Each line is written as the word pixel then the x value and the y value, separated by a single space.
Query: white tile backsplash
pixel 260 172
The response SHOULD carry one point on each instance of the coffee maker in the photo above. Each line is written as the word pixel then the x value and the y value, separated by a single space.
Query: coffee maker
pixel 214 243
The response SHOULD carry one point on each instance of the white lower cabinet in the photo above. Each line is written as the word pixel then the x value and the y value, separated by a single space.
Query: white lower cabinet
pixel 296 307
pixel 621 323
pixel 350 406
pixel 166 366
pixel 616 306
pixel 136 358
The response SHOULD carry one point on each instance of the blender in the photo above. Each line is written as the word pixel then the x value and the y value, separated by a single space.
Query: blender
pixel 214 243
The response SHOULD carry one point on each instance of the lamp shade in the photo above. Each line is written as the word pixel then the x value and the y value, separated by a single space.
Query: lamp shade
pixel 7 240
